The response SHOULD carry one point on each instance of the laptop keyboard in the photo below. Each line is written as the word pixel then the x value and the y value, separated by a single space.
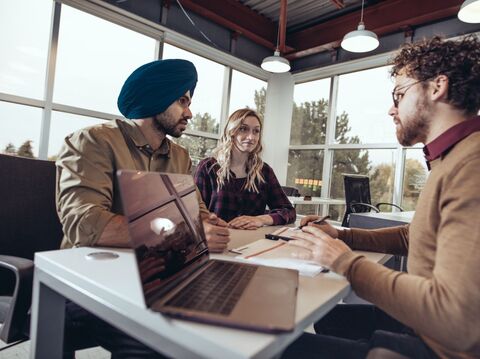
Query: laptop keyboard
pixel 217 290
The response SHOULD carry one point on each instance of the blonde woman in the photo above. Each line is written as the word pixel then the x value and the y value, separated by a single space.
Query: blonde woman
pixel 236 184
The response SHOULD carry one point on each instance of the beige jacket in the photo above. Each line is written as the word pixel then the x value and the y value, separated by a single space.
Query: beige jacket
pixel 87 190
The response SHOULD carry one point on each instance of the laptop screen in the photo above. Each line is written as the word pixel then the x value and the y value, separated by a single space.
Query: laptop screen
pixel 164 225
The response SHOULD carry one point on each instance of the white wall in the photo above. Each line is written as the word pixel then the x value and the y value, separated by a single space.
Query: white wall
pixel 277 123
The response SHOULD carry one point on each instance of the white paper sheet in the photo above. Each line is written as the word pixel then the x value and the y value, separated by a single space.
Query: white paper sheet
pixel 277 254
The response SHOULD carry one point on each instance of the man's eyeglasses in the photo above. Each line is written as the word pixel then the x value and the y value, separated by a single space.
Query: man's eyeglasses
pixel 397 96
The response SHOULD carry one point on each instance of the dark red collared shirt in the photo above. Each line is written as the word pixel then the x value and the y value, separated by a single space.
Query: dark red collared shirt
pixel 449 138
pixel 233 200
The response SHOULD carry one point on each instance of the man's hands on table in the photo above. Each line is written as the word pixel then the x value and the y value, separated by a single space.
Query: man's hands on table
pixel 216 232
pixel 321 242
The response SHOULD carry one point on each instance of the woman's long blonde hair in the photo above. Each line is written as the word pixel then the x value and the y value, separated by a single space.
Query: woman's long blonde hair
pixel 223 152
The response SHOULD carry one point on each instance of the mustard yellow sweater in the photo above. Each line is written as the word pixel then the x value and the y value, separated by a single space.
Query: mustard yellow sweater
pixel 439 297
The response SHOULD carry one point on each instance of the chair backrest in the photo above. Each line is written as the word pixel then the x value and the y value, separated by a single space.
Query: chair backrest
pixel 291 191
pixel 28 218
pixel 357 190
pixel 28 224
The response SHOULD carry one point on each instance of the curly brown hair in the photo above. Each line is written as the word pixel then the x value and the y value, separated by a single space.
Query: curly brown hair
pixel 458 60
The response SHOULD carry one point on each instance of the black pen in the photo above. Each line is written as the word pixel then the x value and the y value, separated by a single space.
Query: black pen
pixel 318 221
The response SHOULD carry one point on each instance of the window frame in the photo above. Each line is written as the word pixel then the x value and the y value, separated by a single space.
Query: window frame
pixel 148 28
pixel 334 72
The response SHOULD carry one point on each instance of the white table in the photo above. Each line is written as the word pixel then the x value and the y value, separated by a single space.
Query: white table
pixel 111 290
pixel 316 201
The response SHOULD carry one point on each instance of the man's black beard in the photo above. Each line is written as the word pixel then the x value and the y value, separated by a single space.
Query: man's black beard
pixel 166 124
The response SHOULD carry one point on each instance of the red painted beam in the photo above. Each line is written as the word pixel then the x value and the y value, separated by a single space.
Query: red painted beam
pixel 282 24
pixel 383 18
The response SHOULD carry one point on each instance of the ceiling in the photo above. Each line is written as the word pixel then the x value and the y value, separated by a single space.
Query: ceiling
pixel 300 12
pixel 314 26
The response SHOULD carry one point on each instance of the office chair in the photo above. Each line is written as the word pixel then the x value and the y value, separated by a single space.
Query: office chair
pixel 28 224
pixel 291 191
pixel 357 197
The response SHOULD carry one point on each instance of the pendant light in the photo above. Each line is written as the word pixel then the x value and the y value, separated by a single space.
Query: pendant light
pixel 360 40
pixel 470 11
pixel 277 63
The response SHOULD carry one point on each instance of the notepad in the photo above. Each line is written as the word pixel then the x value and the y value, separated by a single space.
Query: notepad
pixel 277 254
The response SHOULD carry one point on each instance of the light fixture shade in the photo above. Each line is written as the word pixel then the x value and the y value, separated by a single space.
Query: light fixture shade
pixel 276 63
pixel 360 40
pixel 470 11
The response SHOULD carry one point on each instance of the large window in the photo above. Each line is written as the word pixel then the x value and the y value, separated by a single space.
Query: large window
pixel 362 107
pixel 310 113
pixel 206 104
pixel 207 99
pixel 247 91
pixel 24 29
pixel 19 129
pixel 309 120
pixel 362 140
pixel 94 59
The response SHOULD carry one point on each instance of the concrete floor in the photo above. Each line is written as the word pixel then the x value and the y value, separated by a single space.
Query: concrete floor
pixel 21 351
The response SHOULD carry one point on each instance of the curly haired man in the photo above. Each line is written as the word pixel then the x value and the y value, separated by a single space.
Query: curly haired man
pixel 433 311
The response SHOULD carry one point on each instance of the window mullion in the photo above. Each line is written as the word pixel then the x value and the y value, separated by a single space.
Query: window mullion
pixel 49 81
pixel 329 137
pixel 399 175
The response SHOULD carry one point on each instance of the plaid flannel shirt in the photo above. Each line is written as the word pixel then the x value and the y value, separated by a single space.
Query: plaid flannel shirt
pixel 233 200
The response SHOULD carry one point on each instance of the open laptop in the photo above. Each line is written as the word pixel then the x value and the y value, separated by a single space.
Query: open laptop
pixel 179 279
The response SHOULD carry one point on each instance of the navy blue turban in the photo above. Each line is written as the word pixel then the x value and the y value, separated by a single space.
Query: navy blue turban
pixel 151 88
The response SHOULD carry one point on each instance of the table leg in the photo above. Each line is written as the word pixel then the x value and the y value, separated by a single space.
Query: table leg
pixel 47 323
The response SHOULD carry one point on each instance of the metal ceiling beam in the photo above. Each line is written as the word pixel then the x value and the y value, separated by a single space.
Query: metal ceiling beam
pixel 338 3
pixel 236 17
pixel 382 18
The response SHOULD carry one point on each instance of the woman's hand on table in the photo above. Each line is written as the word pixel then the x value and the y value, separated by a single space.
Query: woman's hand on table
pixel 250 222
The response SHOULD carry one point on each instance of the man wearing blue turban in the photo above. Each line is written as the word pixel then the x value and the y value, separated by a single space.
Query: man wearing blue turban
pixel 155 101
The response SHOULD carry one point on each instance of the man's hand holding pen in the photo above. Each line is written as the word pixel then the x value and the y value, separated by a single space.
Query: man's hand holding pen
pixel 320 223
pixel 317 220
